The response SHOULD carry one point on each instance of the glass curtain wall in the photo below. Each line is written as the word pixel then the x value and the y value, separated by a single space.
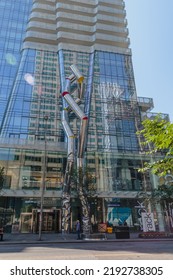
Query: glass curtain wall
pixel 12 31
pixel 34 104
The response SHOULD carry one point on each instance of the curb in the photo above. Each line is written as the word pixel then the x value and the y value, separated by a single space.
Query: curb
pixel 37 242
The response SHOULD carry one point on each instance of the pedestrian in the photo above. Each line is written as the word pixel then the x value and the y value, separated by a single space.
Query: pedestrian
pixel 78 229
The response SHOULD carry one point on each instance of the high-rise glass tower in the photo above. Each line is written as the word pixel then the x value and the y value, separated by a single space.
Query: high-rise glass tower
pixel 40 40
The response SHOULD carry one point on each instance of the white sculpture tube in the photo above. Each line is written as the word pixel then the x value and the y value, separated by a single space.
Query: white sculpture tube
pixel 80 153
pixel 73 105
pixel 82 137
pixel 70 137
pixel 77 73
pixel 77 101
pixel 67 85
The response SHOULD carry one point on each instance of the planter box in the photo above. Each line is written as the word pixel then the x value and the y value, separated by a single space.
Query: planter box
pixel 153 234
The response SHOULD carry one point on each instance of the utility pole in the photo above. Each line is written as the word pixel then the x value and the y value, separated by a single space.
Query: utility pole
pixel 44 171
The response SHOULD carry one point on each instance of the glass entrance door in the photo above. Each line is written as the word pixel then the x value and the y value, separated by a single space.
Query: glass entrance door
pixel 26 222
pixel 51 220
pixel 48 222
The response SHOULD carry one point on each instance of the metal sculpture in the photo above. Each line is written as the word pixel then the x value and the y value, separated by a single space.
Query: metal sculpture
pixel 70 104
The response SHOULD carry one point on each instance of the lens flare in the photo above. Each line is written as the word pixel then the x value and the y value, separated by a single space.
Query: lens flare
pixel 10 59
pixel 29 79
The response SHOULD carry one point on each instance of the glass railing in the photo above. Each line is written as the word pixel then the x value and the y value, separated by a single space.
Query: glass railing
pixel 149 115
pixel 146 100
pixel 35 144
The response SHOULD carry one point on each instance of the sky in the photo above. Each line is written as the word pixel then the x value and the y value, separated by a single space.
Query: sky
pixel 150 24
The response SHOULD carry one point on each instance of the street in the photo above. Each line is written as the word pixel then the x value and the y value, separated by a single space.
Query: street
pixel 122 250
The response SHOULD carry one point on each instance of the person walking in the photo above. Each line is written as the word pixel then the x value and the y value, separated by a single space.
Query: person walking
pixel 78 229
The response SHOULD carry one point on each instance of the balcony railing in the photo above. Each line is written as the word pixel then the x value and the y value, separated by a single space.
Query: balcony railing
pixel 34 144
pixel 145 103
pixel 150 115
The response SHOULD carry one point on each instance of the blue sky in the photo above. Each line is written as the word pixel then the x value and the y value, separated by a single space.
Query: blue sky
pixel 150 24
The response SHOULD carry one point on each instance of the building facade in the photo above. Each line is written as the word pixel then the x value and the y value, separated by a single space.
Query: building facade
pixel 40 40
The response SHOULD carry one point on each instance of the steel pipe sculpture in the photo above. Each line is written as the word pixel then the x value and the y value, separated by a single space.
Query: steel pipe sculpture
pixel 70 104
pixel 68 172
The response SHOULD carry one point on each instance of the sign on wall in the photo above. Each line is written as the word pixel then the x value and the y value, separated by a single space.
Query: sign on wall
pixel 118 215
pixel 148 222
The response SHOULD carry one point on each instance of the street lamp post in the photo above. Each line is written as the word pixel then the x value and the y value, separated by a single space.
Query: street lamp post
pixel 43 180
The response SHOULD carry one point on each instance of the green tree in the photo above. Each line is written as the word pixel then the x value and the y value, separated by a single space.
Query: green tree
pixel 158 137
pixel 164 193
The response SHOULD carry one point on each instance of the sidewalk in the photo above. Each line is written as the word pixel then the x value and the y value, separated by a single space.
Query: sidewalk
pixel 30 238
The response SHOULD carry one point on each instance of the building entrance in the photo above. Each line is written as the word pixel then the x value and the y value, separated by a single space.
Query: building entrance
pixel 26 222
pixel 29 222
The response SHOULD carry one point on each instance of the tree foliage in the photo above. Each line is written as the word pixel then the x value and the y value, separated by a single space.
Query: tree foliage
pixel 158 137
pixel 164 192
